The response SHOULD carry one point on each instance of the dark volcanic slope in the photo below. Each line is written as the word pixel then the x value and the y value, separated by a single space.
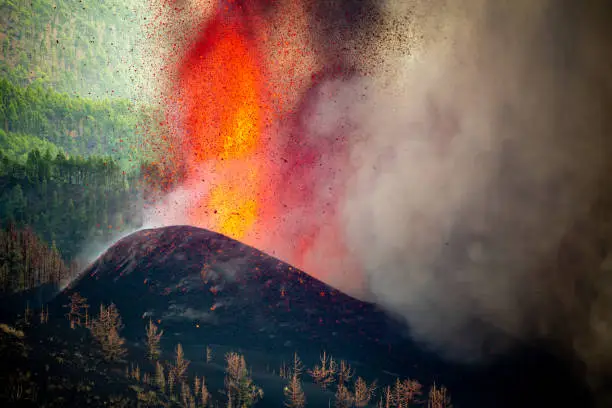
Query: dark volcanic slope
pixel 188 275
pixel 205 288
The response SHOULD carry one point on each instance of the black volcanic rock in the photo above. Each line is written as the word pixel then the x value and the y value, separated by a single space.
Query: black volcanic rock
pixel 206 289
pixel 186 277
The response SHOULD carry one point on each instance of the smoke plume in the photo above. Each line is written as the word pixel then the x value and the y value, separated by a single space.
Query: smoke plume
pixel 477 201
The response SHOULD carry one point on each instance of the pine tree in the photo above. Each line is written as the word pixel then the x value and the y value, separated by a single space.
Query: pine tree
pixel 324 373
pixel 438 397
pixel 181 364
pixel 235 371
pixel 77 306
pixel 298 367
pixel 345 372
pixel 343 397
pixel 105 330
pixel 160 379
pixel 196 386
pixel 171 381
pixel 239 385
pixel 405 392
pixel 153 339
pixel 363 392
pixel 230 400
pixel 204 394
pixel 185 394
pixel 114 346
pixel 136 373
pixel 386 399
pixel 294 395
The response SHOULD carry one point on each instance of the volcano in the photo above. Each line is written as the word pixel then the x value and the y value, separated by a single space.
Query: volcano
pixel 185 277
pixel 207 290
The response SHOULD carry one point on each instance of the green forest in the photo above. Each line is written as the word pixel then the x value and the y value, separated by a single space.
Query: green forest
pixel 85 47
pixel 71 149
pixel 35 115
pixel 69 201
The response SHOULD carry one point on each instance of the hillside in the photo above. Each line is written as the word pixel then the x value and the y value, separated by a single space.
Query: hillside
pixel 89 48
pixel 213 296
pixel 72 120
pixel 78 126
pixel 72 202
pixel 205 289
pixel 17 146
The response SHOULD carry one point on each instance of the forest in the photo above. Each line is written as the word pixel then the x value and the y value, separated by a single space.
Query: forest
pixel 72 157
pixel 27 262
pixel 38 117
pixel 88 48
pixel 68 201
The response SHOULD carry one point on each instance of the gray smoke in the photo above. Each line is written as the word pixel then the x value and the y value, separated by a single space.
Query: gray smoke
pixel 478 200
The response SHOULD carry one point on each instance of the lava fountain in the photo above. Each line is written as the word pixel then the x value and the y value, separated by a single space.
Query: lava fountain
pixel 252 171
pixel 225 113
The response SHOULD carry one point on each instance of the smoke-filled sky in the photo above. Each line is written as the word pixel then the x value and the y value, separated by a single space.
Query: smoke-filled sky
pixel 447 160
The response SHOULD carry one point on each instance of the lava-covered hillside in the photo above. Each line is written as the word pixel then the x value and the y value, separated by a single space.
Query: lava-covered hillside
pixel 206 289
pixel 205 285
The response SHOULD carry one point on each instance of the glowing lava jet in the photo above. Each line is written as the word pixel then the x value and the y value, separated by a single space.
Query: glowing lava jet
pixel 261 187
pixel 225 113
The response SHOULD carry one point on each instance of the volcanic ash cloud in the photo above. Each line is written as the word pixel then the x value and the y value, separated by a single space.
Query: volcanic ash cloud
pixel 479 150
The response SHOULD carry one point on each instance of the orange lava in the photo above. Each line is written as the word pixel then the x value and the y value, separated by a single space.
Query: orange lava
pixel 222 84
pixel 244 78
